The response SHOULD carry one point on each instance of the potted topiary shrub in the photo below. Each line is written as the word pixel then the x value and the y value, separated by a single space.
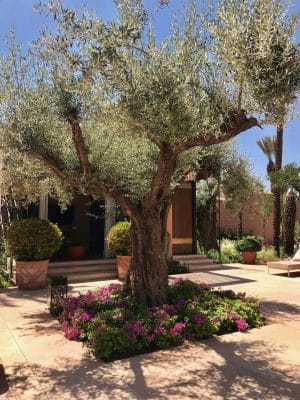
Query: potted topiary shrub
pixel 248 246
pixel 118 240
pixel 32 242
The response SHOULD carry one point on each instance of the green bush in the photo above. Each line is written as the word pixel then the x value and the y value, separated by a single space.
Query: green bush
pixel 3 282
pixel 267 254
pixel 248 243
pixel 118 239
pixel 174 267
pixel 112 325
pixel 213 254
pixel 33 239
pixel 229 254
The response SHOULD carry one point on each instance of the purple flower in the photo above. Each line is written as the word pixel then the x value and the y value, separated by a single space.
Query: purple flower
pixel 177 281
pixel 232 315
pixel 199 319
pixel 150 338
pixel 241 325
pixel 189 336
pixel 181 303
pixel 72 333
pixel 159 329
pixel 132 336
pixel 86 316
pixel 136 328
pixel 177 329
pixel 64 326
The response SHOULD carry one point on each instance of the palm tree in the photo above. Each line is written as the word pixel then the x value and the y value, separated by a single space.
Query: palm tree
pixel 272 148
pixel 267 145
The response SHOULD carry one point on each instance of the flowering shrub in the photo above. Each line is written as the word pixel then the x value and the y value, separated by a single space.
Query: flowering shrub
pixel 267 254
pixel 113 325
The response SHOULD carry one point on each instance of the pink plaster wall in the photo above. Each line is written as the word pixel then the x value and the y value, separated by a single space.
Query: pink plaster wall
pixel 252 221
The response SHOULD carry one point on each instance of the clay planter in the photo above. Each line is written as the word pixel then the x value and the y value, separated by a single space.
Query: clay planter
pixel 249 257
pixel 123 263
pixel 31 275
pixel 76 252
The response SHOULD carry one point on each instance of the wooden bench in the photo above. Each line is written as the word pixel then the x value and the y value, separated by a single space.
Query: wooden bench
pixel 287 265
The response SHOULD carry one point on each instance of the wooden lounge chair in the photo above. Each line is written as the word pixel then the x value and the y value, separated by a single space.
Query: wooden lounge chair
pixel 287 265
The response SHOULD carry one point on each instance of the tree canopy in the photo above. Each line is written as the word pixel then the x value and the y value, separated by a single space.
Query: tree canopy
pixel 106 109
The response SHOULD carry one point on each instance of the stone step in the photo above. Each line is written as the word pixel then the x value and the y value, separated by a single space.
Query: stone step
pixel 82 262
pixel 84 270
pixel 189 256
pixel 204 267
pixel 81 268
pixel 203 261
pixel 197 262
pixel 89 276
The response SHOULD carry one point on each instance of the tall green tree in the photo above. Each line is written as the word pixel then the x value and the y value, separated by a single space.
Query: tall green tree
pixel 264 32
pixel 105 110
pixel 287 180
pixel 222 171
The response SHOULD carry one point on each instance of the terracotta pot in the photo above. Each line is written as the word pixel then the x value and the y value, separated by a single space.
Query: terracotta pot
pixel 123 263
pixel 31 275
pixel 76 252
pixel 249 257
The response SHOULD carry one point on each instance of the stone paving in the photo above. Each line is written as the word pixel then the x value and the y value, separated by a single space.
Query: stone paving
pixel 261 364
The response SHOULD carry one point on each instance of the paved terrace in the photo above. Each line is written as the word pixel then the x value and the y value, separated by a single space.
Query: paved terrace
pixel 261 364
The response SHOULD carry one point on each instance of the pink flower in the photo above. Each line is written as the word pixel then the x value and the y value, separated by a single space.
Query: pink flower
pixel 177 329
pixel 86 316
pixel 241 325
pixel 150 338
pixel 64 326
pixel 189 336
pixel 72 333
pixel 199 319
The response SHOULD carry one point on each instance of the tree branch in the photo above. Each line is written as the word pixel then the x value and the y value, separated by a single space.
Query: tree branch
pixel 236 123
pixel 160 186
pixel 52 164
pixel 125 203
pixel 79 144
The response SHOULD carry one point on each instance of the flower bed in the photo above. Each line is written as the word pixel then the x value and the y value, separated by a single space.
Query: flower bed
pixel 112 325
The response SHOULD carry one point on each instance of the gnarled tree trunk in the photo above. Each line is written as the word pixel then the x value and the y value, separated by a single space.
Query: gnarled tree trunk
pixel 148 270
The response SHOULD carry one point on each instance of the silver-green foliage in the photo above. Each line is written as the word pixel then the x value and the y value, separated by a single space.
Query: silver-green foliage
pixel 131 95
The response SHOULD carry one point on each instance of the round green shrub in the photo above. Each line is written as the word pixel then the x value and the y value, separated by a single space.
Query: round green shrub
pixel 248 243
pixel 33 239
pixel 118 239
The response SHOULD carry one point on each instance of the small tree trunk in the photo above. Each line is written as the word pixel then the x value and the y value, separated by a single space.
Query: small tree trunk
pixel 207 225
pixel 276 220
pixel 148 270
pixel 289 221
pixel 239 231
pixel 276 192
pixel 110 220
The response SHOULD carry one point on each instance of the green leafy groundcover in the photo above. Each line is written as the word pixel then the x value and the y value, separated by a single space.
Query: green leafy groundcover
pixel 112 325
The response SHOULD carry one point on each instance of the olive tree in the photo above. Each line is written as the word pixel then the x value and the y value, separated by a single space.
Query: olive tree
pixel 106 110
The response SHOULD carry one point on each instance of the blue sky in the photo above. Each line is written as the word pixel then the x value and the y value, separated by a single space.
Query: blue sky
pixel 27 23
